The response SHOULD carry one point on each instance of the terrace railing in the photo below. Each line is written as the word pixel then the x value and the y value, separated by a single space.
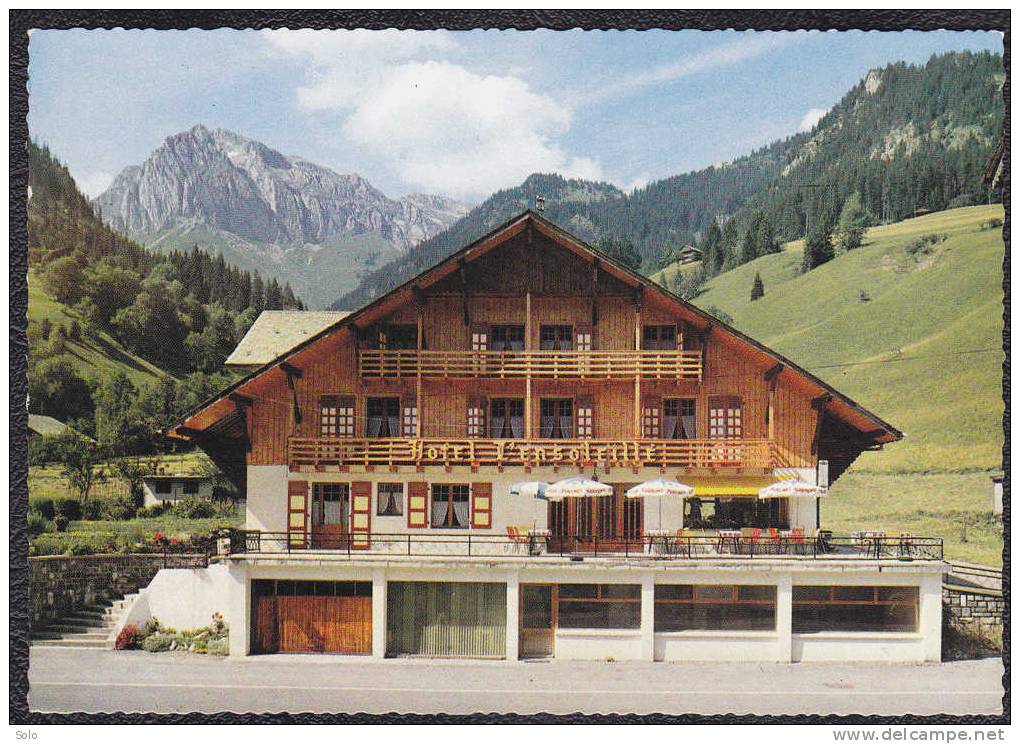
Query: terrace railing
pixel 604 365
pixel 652 547
pixel 673 453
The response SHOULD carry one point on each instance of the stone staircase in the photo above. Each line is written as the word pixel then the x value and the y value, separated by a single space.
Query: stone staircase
pixel 88 627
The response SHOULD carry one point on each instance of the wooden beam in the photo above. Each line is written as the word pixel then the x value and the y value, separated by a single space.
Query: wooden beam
pixel 462 267
pixel 242 410
pixel 187 431
pixel 637 377
pixel 292 373
pixel 594 293
pixel 819 404
pixel 772 374
pixel 241 400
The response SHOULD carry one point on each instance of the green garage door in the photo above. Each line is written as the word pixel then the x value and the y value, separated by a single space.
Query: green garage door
pixel 446 619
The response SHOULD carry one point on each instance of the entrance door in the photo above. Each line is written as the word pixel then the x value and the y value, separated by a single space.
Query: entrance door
pixel 610 523
pixel 331 508
pixel 538 621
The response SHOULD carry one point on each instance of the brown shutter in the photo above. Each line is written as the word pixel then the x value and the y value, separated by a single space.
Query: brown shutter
pixel 481 506
pixel 297 514
pixel 476 416
pixel 418 504
pixel 361 514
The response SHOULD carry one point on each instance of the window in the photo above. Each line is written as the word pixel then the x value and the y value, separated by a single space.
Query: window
pixel 475 419
pixel 556 338
pixel 585 418
pixel 507 420
pixel 336 416
pixel 451 506
pixel 409 418
pixel 404 336
pixel 651 427
pixel 725 417
pixel 659 338
pixel 714 607
pixel 583 340
pixel 479 339
pixel 288 588
pixel 678 418
pixel 383 418
pixel 890 609
pixel 390 499
pixel 557 418
pixel 599 606
pixel 508 338
pixel 164 486
pixel 191 487
pixel 330 503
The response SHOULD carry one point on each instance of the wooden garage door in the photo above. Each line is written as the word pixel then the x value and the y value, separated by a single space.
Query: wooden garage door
pixel 446 619
pixel 300 617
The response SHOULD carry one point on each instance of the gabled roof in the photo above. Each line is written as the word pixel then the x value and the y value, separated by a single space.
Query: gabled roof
pixel 47 426
pixel 275 332
pixel 871 426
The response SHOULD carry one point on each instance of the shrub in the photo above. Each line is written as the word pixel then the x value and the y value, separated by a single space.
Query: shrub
pixel 38 523
pixel 991 224
pixel 923 244
pixel 119 507
pixel 44 450
pixel 130 636
pixel 69 507
pixel 43 505
pixel 74 543
pixel 60 523
pixel 218 647
pixel 863 296
pixel 159 641
pixel 151 626
pixel 192 508
pixel 156 510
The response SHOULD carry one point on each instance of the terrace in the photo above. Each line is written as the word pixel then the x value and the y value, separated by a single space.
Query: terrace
pixel 747 545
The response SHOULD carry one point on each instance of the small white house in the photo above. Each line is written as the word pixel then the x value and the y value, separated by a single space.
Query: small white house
pixel 171 488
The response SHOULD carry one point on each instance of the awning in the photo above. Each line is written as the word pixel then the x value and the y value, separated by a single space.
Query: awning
pixel 735 487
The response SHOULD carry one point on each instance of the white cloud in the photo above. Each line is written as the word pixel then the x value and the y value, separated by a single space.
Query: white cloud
pixel 638 182
pixel 438 125
pixel 744 48
pixel 94 183
pixel 811 118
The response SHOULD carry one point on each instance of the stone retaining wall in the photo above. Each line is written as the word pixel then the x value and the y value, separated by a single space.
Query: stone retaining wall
pixel 58 585
pixel 976 608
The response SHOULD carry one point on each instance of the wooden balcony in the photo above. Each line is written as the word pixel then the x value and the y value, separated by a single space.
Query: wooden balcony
pixel 328 453
pixel 603 365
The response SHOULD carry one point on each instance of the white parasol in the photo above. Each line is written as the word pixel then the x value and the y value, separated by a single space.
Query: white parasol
pixel 529 489
pixel 660 487
pixel 577 487
pixel 786 488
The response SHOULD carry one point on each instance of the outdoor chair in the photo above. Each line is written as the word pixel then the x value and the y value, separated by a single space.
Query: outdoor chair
pixel 797 540
pixel 772 537
pixel 749 538
pixel 517 540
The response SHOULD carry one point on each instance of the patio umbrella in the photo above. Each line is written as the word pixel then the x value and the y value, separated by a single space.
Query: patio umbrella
pixel 529 489
pixel 786 488
pixel 577 487
pixel 660 487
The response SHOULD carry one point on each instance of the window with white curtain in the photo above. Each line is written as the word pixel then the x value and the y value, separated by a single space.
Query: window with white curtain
pixel 390 499
pixel 451 506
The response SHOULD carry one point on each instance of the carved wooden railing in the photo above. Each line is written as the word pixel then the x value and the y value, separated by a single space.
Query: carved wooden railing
pixel 621 365
pixel 671 453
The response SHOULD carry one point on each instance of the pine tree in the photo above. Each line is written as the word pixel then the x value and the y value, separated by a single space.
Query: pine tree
pixel 758 288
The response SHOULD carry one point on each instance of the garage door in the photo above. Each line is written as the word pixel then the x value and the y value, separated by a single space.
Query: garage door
pixel 450 619
pixel 304 617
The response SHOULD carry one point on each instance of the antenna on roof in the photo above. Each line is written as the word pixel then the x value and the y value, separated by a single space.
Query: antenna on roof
pixel 540 203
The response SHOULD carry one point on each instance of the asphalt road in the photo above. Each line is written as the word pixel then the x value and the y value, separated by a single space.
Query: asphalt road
pixel 90 680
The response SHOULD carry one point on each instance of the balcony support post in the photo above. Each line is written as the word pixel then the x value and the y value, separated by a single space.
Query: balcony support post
pixel 419 401
pixel 528 429
pixel 637 377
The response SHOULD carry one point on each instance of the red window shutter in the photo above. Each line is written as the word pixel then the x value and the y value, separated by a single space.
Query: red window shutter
pixel 361 514
pixel 481 506
pixel 297 514
pixel 418 504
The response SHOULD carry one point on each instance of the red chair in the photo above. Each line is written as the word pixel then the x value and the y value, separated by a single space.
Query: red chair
pixel 797 539
pixel 515 537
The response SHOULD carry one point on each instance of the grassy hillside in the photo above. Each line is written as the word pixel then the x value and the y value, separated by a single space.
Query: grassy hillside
pixel 914 337
pixel 91 358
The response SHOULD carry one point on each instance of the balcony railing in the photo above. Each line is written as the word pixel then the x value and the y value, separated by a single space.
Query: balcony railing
pixel 603 365
pixel 652 547
pixel 667 453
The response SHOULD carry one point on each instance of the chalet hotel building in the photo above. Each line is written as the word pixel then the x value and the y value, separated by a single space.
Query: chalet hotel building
pixel 395 462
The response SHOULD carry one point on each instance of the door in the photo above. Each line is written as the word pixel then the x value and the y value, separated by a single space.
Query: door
pixel 301 617
pixel 609 523
pixel 538 621
pixel 331 506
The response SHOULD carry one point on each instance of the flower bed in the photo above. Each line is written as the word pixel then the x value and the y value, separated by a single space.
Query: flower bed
pixel 213 639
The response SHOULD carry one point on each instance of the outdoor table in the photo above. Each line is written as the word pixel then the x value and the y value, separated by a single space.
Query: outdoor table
pixel 729 536
pixel 538 541
pixel 660 541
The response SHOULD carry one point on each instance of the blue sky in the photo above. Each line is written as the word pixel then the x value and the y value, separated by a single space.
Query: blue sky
pixel 458 113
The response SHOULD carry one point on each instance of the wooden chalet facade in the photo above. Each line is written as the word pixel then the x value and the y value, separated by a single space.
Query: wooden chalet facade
pixel 398 431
